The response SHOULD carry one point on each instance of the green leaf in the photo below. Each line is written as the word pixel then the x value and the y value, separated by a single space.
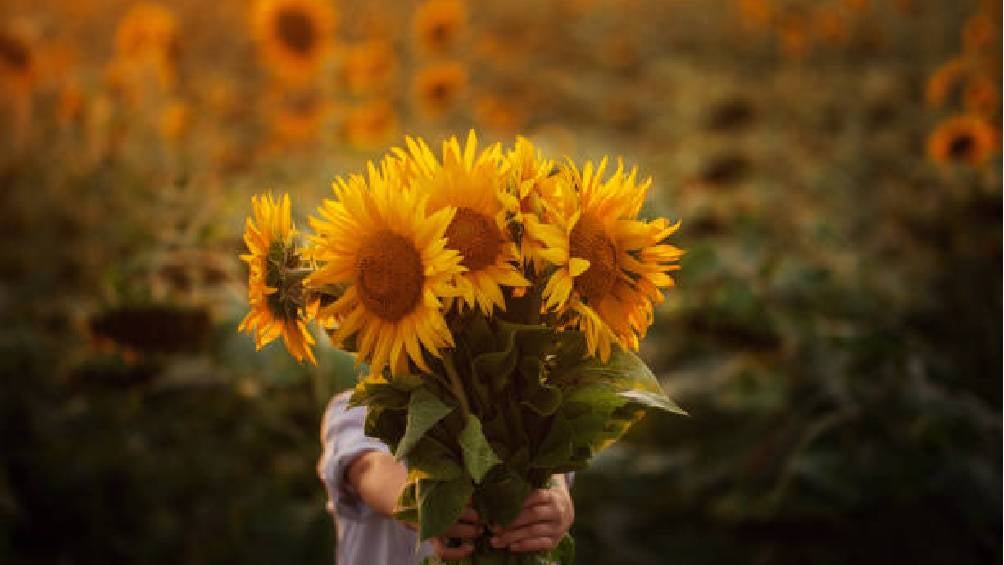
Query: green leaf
pixel 653 400
pixel 440 504
pixel 564 554
pixel 477 334
pixel 496 367
pixel 538 396
pixel 534 340
pixel 478 455
pixel 556 449
pixel 386 425
pixel 424 410
pixel 623 372
pixel 501 499
pixel 434 459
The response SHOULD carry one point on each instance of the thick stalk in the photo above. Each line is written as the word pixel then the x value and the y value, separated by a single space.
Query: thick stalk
pixel 456 385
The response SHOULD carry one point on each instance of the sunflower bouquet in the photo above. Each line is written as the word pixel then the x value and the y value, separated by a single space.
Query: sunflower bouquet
pixel 497 298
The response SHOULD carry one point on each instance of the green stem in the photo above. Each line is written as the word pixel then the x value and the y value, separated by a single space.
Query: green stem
pixel 456 385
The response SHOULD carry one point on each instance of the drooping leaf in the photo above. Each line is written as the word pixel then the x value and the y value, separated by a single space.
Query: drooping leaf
pixel 440 504
pixel 478 455
pixel 424 410
pixel 434 460
pixel 624 372
pixel 653 400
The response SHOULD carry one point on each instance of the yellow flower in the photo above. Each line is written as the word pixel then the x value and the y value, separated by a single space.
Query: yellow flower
pixel 297 116
pixel 438 87
pixel 147 30
pixel 472 183
pixel 755 14
pixel 980 33
pixel 610 266
pixel 536 190
pixel 963 139
pixel 17 67
pixel 275 291
pixel 944 80
pixel 175 119
pixel 295 37
pixel 146 40
pixel 980 96
pixel 438 25
pixel 370 124
pixel 368 67
pixel 377 240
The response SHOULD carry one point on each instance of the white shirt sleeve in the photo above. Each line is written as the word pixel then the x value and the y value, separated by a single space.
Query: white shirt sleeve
pixel 344 440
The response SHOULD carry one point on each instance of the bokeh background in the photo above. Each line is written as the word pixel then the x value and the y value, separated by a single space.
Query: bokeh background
pixel 835 333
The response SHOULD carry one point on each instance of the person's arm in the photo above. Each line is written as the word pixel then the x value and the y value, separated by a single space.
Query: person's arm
pixel 378 480
pixel 546 517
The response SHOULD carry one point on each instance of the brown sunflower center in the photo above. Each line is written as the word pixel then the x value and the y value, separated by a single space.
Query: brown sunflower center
pixel 439 92
pixel 961 146
pixel 590 241
pixel 389 273
pixel 296 30
pixel 439 34
pixel 13 53
pixel 476 237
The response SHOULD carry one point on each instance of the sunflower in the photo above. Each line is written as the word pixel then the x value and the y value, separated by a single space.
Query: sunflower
pixel 377 240
pixel 945 80
pixel 830 25
pixel 472 183
pixel 175 120
pixel 437 88
pixel 146 40
pixel 610 266
pixel 438 25
pixel 294 36
pixel 370 124
pixel 297 116
pixel 755 14
pixel 368 67
pixel 16 61
pixel 963 139
pixel 980 96
pixel 535 188
pixel 980 33
pixel 275 290
pixel 147 30
pixel 793 35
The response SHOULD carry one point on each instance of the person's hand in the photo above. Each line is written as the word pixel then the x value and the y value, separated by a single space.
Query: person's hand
pixel 546 517
pixel 467 528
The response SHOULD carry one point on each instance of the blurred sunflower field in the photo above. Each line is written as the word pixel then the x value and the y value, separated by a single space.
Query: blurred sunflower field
pixel 835 333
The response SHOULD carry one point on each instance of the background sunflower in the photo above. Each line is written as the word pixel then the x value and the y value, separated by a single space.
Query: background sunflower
pixel 295 37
